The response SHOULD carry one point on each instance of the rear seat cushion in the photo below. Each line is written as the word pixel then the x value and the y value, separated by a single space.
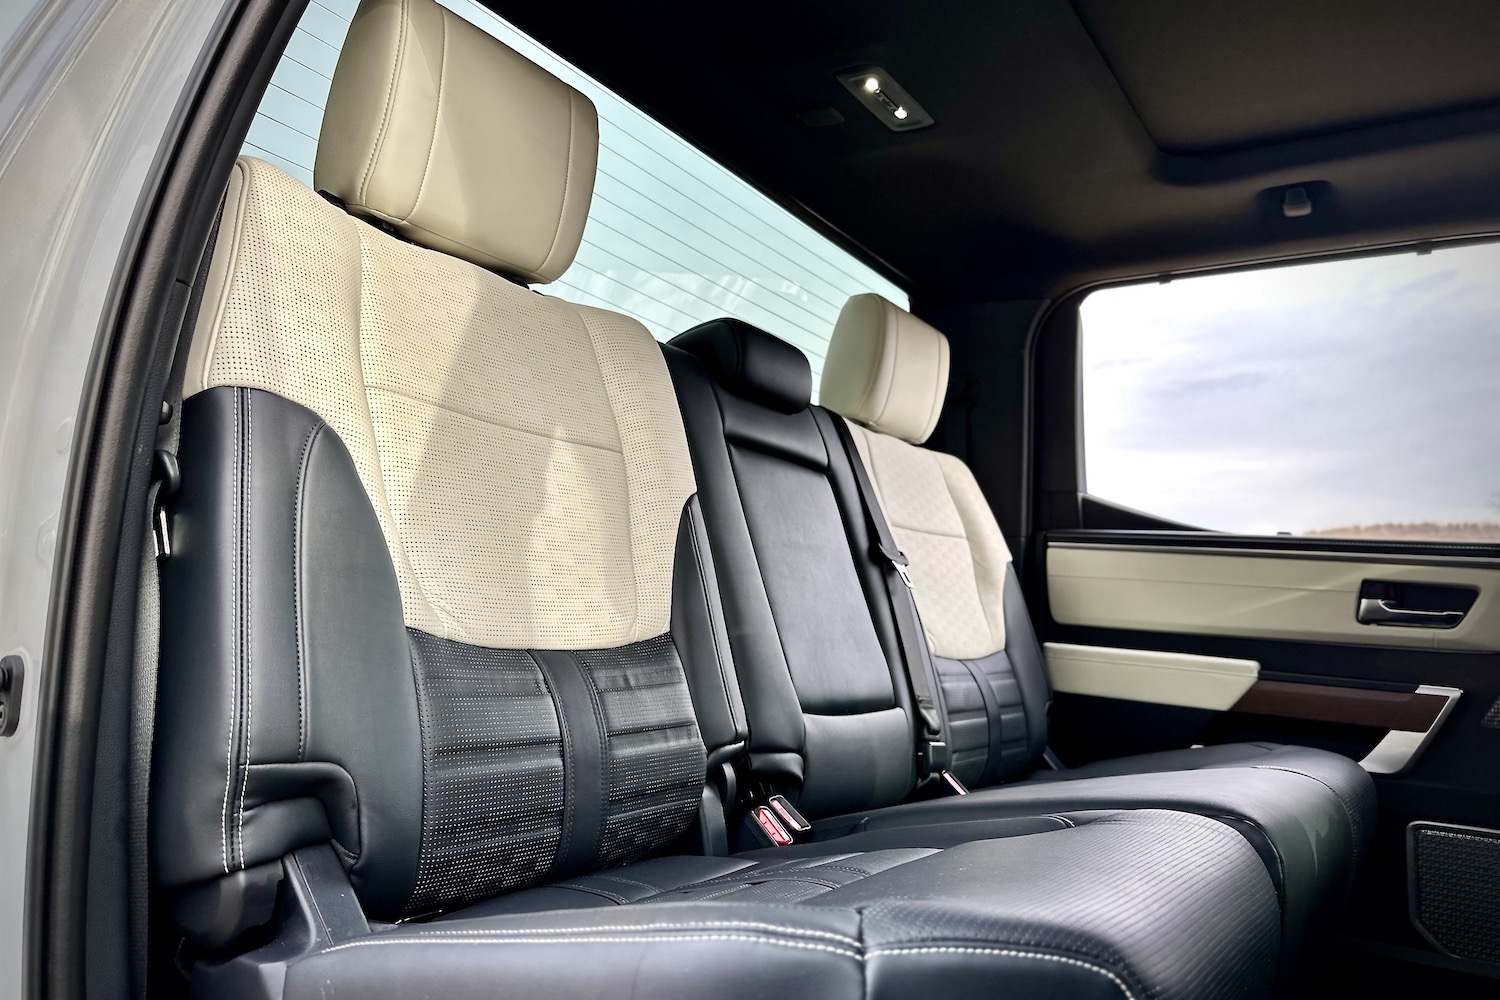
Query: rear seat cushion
pixel 1132 905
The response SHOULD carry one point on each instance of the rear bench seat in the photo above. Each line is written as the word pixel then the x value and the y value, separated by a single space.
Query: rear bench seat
pixel 985 651
pixel 443 662
pixel 809 610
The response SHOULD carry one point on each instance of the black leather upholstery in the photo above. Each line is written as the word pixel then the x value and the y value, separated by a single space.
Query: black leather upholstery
pixel 814 645
pixel 751 362
pixel 1143 904
pixel 287 712
pixel 775 505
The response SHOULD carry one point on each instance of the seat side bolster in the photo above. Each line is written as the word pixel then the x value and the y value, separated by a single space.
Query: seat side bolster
pixel 287 713
pixel 702 639
pixel 764 676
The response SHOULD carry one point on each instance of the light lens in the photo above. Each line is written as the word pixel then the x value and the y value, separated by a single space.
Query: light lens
pixel 900 113
pixel 872 85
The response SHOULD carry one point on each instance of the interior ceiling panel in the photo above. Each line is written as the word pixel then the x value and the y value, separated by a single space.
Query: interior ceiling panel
pixel 1075 143
pixel 1210 74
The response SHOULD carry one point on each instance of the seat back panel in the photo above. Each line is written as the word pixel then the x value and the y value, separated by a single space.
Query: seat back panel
pixel 569 461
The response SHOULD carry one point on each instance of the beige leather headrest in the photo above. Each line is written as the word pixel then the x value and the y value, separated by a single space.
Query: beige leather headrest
pixel 885 369
pixel 457 142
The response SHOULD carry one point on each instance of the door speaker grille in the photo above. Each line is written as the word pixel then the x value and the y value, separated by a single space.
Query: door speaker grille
pixel 1454 884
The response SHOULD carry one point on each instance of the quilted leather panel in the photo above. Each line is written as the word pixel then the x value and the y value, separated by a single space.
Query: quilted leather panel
pixel 653 757
pixel 492 782
pixel 942 522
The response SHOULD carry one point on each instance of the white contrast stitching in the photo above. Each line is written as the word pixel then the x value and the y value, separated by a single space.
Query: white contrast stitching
pixel 743 925
pixel 234 488
pixel 605 940
pixel 249 651
pixel 1010 953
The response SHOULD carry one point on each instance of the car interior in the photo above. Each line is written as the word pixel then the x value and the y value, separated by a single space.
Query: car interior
pixel 838 500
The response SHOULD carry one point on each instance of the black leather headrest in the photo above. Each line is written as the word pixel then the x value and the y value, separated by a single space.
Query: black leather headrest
pixel 750 362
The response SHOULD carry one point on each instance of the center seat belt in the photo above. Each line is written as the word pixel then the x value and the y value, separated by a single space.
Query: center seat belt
pixel 933 755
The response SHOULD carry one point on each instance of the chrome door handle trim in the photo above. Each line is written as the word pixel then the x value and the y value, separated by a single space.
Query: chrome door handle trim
pixel 1373 611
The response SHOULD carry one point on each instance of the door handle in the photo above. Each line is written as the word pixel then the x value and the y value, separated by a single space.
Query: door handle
pixel 1407 604
pixel 1374 611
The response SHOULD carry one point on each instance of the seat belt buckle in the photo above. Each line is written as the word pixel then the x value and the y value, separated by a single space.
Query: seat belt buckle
pixel 789 816
pixel 933 757
pixel 951 782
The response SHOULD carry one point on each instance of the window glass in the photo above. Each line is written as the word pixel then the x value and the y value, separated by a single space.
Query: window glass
pixel 1357 397
pixel 673 238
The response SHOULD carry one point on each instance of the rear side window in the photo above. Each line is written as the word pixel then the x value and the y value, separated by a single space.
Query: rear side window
pixel 673 238
pixel 1352 398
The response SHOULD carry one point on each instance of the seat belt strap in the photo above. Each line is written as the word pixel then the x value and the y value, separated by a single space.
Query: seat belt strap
pixel 913 640
pixel 165 480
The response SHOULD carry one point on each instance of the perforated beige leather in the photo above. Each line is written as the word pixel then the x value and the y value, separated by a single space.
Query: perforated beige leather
pixel 958 557
pixel 885 369
pixel 457 142
pixel 524 455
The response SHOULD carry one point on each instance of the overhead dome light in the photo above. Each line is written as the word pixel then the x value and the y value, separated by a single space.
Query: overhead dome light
pixel 885 98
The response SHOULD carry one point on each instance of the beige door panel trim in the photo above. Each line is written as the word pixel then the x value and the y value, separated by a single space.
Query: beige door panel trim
pixel 1255 594
pixel 1182 679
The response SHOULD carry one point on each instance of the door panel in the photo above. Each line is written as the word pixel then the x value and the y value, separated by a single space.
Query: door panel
pixel 1419 708
pixel 1212 683
pixel 1302 595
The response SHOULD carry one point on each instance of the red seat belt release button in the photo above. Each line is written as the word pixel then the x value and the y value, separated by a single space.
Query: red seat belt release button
pixel 771 825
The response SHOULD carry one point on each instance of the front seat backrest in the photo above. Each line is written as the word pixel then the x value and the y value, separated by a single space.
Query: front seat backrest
pixel 421 602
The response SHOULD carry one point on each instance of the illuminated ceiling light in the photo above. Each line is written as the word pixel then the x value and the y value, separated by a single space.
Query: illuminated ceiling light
pixel 884 98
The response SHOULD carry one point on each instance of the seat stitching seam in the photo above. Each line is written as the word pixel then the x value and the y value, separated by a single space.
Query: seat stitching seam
pixel 593 890
pixel 601 730
pixel 390 103
pixel 437 114
pixel 1009 953
pixel 1354 825
pixel 627 881
pixel 675 926
pixel 646 939
pixel 455 411
pixel 565 835
pixel 1229 821
pixel 708 609
pixel 562 208
pixel 297 517
pixel 234 490
pixel 248 635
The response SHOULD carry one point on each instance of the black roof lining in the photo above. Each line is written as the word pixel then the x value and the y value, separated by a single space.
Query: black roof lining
pixel 1045 171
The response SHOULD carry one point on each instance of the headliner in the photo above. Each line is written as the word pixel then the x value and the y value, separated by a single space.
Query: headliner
pixel 1077 141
